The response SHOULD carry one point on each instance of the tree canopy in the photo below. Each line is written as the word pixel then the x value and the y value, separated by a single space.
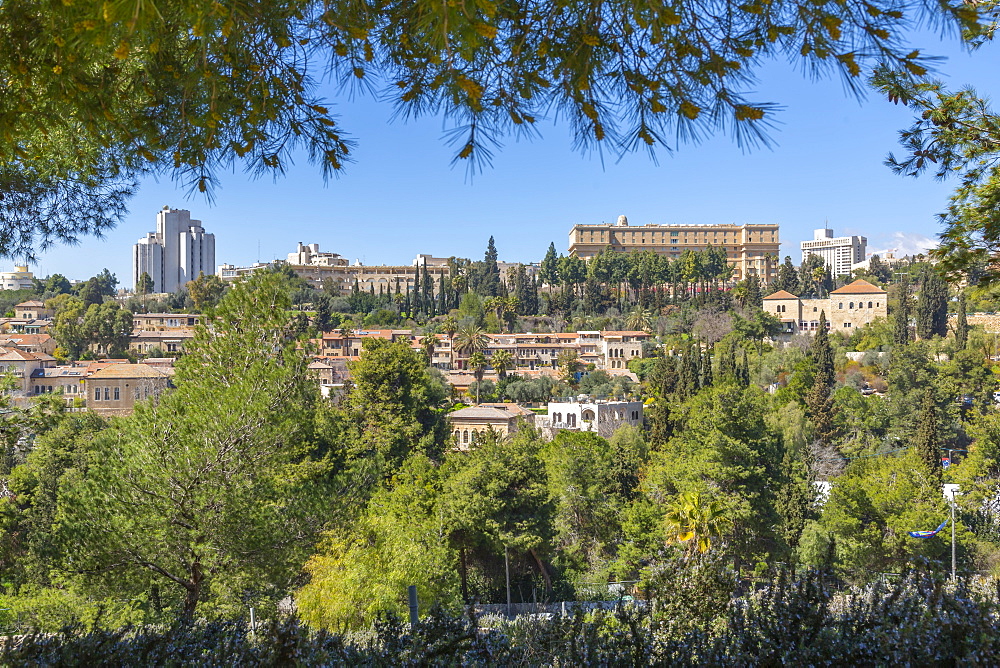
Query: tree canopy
pixel 98 94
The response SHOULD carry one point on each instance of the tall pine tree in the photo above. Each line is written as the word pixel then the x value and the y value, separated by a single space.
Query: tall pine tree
pixel 928 441
pixel 819 401
pixel 901 316
pixel 932 306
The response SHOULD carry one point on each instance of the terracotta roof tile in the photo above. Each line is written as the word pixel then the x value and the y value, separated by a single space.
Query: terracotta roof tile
pixel 859 287
pixel 781 294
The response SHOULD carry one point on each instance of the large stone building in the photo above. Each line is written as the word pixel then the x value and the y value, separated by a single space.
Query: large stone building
pixel 840 254
pixel 176 253
pixel 847 308
pixel 750 249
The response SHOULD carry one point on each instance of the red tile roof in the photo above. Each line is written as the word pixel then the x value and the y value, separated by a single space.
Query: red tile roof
pixel 859 287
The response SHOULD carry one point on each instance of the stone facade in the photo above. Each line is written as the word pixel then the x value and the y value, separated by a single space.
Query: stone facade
pixel 468 424
pixel 750 249
pixel 852 306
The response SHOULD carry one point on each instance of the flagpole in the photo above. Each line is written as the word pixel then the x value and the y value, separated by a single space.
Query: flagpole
pixel 953 534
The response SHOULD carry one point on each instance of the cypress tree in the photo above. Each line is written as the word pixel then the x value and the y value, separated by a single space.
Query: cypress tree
pixel 932 306
pixel 754 298
pixel 706 369
pixel 927 440
pixel 962 323
pixel 901 317
pixel 819 401
pixel 822 352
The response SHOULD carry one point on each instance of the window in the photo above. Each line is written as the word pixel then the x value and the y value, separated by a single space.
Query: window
pixel 465 436
pixel 869 304
pixel 118 394
pixel 851 305
pixel 107 394
pixel 840 305
pixel 847 324
pixel 97 394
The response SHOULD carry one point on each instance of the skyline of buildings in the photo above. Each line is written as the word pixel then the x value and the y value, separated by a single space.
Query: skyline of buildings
pixel 176 253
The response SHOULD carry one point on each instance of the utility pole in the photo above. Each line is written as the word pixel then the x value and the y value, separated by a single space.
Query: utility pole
pixel 414 606
pixel 506 565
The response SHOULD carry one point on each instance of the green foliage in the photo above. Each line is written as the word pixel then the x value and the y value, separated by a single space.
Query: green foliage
pixel 932 306
pixel 205 291
pixel 724 449
pixel 395 406
pixel 211 491
pixel 362 573
pixel 874 505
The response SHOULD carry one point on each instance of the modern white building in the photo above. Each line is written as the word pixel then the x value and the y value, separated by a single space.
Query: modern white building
pixel 838 253
pixel 19 279
pixel 600 416
pixel 176 253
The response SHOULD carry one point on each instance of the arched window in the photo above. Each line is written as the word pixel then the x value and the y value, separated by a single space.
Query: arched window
pixel 851 305
pixel 465 436
pixel 571 419
pixel 458 435
pixel 869 304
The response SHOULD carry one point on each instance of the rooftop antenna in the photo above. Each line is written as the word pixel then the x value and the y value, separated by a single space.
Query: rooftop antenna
pixel 258 251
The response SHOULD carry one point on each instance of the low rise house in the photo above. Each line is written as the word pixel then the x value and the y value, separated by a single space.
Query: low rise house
pixel 33 310
pixel 161 322
pixel 22 364
pixel 602 417
pixel 115 389
pixel 69 380
pixel 468 424
pixel 168 341
pixel 32 343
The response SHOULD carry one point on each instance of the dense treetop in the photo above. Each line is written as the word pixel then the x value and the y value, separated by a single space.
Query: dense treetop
pixel 96 94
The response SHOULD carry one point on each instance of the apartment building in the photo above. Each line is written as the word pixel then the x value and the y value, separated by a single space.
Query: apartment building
pixel 840 254
pixel 177 252
pixel 847 308
pixel 750 248
pixel 19 279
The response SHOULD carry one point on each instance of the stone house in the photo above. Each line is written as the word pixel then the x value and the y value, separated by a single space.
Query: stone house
pixel 847 308
pixel 467 424
pixel 115 389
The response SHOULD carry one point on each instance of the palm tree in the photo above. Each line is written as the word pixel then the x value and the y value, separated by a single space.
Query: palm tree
pixel 478 363
pixel 691 518
pixel 471 339
pixel 428 343
pixel 501 361
pixel 449 326
pixel 638 320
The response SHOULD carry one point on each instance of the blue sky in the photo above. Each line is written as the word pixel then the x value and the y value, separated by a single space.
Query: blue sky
pixel 402 196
